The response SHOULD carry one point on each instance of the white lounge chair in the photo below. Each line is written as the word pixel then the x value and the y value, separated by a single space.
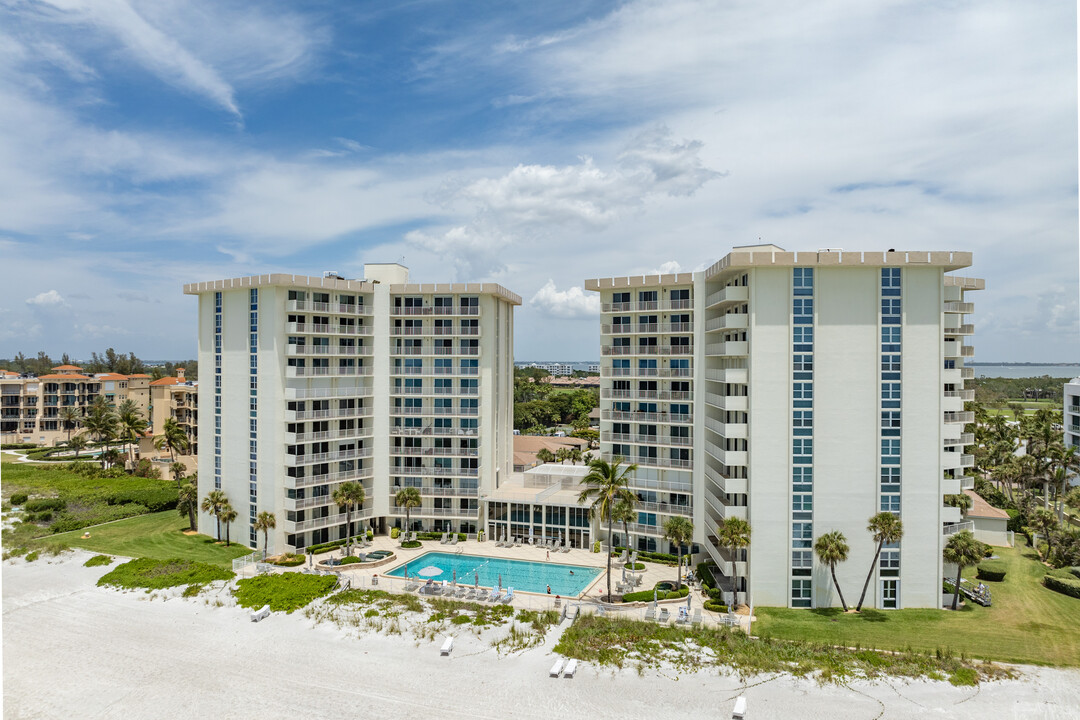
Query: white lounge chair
pixel 621 560
pixel 443 540
pixel 664 616
pixel 565 547
pixel 495 592
pixel 650 614
pixel 447 646
pixel 509 596
pixel 557 668
pixel 740 708
pixel 571 668
pixel 454 539
pixel 261 613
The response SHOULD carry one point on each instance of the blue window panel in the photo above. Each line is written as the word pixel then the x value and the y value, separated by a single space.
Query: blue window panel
pixel 802 281
pixel 802 535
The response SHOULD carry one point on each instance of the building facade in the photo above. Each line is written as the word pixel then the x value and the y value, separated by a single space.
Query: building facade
pixel 311 382
pixel 1071 413
pixel 803 392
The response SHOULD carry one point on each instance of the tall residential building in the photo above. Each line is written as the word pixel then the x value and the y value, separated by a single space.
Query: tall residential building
pixel 313 381
pixel 1071 413
pixel 803 392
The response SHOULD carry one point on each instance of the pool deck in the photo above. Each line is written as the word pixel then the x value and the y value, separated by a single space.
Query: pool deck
pixel 590 599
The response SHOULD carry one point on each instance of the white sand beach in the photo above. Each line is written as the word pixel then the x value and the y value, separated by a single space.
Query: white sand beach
pixel 73 650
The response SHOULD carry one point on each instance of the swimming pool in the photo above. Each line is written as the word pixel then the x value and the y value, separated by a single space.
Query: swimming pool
pixel 519 574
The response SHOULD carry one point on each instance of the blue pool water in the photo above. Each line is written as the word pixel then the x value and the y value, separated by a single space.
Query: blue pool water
pixel 518 574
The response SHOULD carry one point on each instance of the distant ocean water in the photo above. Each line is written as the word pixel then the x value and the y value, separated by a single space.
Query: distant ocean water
pixel 1021 371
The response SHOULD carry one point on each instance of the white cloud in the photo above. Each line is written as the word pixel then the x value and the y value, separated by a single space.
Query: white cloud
pixel 572 303
pixel 50 298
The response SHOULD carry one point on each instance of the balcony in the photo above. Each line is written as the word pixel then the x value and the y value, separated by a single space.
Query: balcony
pixel 352 434
pixel 962 308
pixel 960 330
pixel 736 376
pixel 959 417
pixel 964 439
pixel 950 514
pixel 722 511
pixel 434 431
pixel 730 321
pixel 967 373
pixel 441 310
pixel 434 371
pixel 648 306
pixel 951 528
pixel 309 393
pixel 302 415
pixel 646 328
pixel 325 350
pixel 723 485
pixel 730 458
pixel 313 329
pixel 313 458
pixel 434 452
pixel 728 295
pixel 328 521
pixel 646 394
pixel 965 395
pixel 727 402
pixel 647 350
pixel 333 308
pixel 730 348
pixel 425 511
pixel 299 372
pixel 647 417
pixel 328 478
pixel 735 431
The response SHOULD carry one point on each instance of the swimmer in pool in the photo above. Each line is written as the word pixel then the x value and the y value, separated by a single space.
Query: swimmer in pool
pixel 571 572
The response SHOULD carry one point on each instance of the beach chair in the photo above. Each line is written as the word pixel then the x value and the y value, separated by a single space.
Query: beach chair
pixel 443 540
pixel 447 646
pixel 683 617
pixel 600 611
pixel 454 539
pixel 518 542
pixel 260 614
pixel 494 595
pixel 509 596
pixel 621 560
pixel 739 711
pixel 650 614
pixel 411 586
pixel 664 616
pixel 557 668
pixel 696 620
pixel 463 591
pixel 565 547
pixel 571 668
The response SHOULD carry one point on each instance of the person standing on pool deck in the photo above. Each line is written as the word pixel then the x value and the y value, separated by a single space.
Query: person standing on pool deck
pixel 549 589
pixel 548 554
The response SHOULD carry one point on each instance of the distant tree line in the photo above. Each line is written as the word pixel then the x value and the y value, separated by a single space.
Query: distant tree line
pixel 110 362
pixel 996 391
pixel 537 405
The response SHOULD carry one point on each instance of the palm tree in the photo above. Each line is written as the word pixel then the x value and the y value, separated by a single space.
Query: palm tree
pixel 562 455
pixel 214 501
pixel 1066 463
pixel 575 455
pixel 408 498
pixel 886 528
pixel 624 513
pixel 227 517
pixel 679 531
pixel 101 421
pixel 78 444
pixel 131 425
pixel 832 548
pixel 172 437
pixel 545 456
pixel 264 523
pixel 188 503
pixel 110 457
pixel 346 495
pixel 178 469
pixel 962 501
pixel 734 533
pixel 70 417
pixel 963 550
pixel 1045 522
pixel 607 485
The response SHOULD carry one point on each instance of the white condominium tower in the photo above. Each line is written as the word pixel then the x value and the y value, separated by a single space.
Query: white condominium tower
pixel 309 382
pixel 803 392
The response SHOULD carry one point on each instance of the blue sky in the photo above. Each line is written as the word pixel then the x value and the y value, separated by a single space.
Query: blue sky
pixel 145 144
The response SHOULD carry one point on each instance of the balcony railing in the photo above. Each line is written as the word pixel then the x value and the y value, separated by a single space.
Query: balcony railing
pixel 962 394
pixel 334 308
pixel 307 350
pixel 953 528
pixel 354 433
pixel 306 393
pixel 647 350
pixel 731 294
pixel 301 415
pixel 732 347
pixel 960 417
pixel 649 417
pixel 327 478
pixel 960 330
pixel 433 310
pixel 295 372
pixel 647 394
pixel 330 329
pixel 313 458
pixel 647 306
pixel 730 321
pixel 959 307
pixel 434 431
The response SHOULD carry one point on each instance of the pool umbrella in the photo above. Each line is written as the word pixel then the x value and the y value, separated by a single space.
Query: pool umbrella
pixel 429 571
pixel 654 597
pixel 688 599
pixel 455 577
pixel 476 580
pixel 500 582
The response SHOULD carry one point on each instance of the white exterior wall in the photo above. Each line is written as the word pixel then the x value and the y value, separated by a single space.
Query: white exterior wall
pixel 1072 413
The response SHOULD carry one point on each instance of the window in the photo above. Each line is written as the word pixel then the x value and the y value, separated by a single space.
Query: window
pixel 800 593
pixel 890 339
pixel 890 503
pixel 803 281
pixel 890 395
pixel 802 535
pixel 890 422
pixel 890 311
pixel 890 479
pixel 890 363
pixel 802 422
pixel 803 309
pixel 802 394
pixel 890 451
pixel 803 339
pixel 802 479
pixel 890 594
pixel 803 363
pixel 802 502
pixel 890 281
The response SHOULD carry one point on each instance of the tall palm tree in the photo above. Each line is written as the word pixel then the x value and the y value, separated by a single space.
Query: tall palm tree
pixel 173 437
pixel 345 496
pixel 228 515
pixel 832 548
pixel 132 425
pixel 963 550
pixel 607 485
pixel 70 417
pixel 177 469
pixel 886 528
pixel 545 456
pixel 188 503
pixel 575 455
pixel 562 455
pixel 734 534
pixel 78 444
pixel 624 513
pixel 1045 522
pixel 1066 464
pixel 408 498
pixel 264 523
pixel 101 421
pixel 679 531
pixel 214 501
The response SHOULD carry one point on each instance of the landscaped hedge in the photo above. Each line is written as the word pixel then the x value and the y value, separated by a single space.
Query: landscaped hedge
pixel 705 575
pixel 647 595
pixel 290 560
pixel 411 544
pixel 438 536
pixel 716 607
pixel 662 558
pixel 39 504
pixel 991 571
pixel 18 446
pixel 1062 585
pixel 19 498
pixel 350 560
pixel 395 533
pixel 323 547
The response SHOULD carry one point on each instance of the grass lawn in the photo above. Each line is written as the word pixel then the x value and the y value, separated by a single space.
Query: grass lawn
pixel 1027 623
pixel 157 535
pixel 1029 406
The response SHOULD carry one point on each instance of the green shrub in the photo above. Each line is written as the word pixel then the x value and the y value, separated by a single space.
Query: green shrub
pixel 323 547
pixel 285 592
pixel 1064 586
pixel 635 566
pixel 98 560
pixel 32 556
pixel 596 546
pixel 19 499
pixel 290 560
pixel 18 446
pixel 96 514
pixel 192 590
pixel 350 560
pixel 39 504
pixel 715 593
pixel 411 544
pixel 991 571
pixel 1074 571
pixel 156 574
pixel 39 517
pixel 706 575
pixel 395 533
pixel 716 607
pixel 647 595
